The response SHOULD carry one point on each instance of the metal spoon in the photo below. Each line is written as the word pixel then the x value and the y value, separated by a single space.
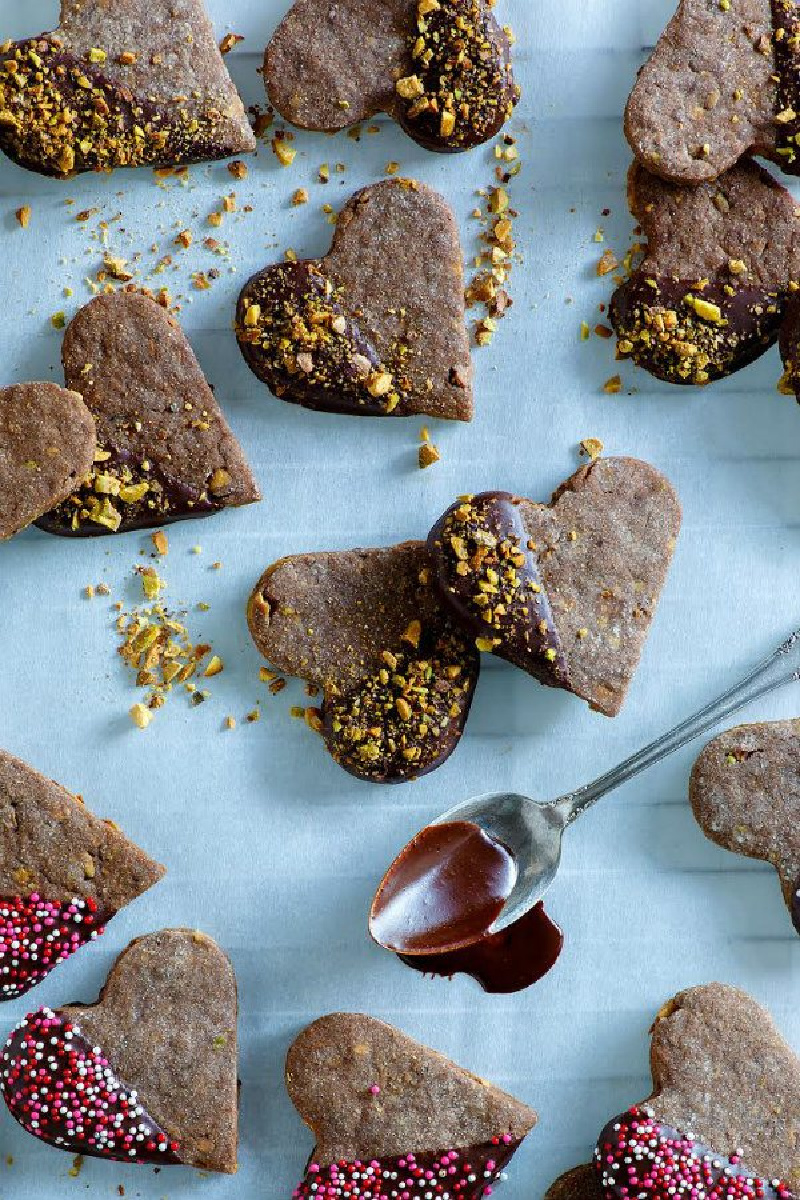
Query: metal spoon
pixel 532 830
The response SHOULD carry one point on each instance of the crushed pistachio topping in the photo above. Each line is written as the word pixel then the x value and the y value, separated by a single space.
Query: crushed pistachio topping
pixel 785 41
pixel 495 259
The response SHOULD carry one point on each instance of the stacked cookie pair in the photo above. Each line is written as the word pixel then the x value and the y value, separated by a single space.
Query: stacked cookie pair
pixel 721 269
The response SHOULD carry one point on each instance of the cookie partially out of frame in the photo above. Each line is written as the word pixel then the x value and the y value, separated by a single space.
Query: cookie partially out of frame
pixel 368 628
pixel 164 449
pixel 376 327
pixel 566 591
pixel 47 443
pixel 147 1074
pixel 64 874
pixel 722 82
pixel 720 261
pixel 745 793
pixel 440 68
pixel 122 83
pixel 384 1108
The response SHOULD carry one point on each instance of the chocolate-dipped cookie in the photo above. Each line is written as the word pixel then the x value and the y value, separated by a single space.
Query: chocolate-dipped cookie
pixel 440 68
pixel 789 344
pixel 47 442
pixel 64 873
pixel 147 1074
pixel 367 627
pixel 566 591
pixel 125 83
pixel 721 258
pixel 377 326
pixel 164 449
pixel 745 793
pixel 384 1108
pixel 722 82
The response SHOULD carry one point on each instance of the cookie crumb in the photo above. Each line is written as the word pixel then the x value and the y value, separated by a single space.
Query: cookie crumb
pixel 229 41
pixel 141 716
pixel 159 539
pixel 24 215
pixel 613 385
pixel 428 455
pixel 591 447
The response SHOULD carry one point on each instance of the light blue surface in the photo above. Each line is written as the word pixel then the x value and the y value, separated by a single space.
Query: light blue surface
pixel 270 847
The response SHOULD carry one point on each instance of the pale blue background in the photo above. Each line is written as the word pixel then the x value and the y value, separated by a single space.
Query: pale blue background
pixel 270 847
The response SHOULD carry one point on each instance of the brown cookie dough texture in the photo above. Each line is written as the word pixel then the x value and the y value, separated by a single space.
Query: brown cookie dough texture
pixel 581 1183
pixel 377 327
pixel 367 627
pixel 47 441
pixel 52 845
pixel 164 449
pixel 166 1020
pixel 425 1103
pixel 745 793
pixel 120 83
pixel 440 68
pixel 720 261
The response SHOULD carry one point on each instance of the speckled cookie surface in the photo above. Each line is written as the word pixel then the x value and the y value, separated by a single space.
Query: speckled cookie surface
pixel 47 440
pixel 377 326
pixel 424 1101
pixel 132 82
pixel 566 591
pixel 442 70
pixel 164 449
pixel 709 296
pixel 368 628
pixel 745 793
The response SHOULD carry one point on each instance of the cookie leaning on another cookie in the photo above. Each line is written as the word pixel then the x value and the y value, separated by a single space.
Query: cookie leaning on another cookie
pixel 440 68
pixel 745 793
pixel 378 1103
pixel 368 628
pixel 47 442
pixel 124 83
pixel 719 264
pixel 376 327
pixel 164 449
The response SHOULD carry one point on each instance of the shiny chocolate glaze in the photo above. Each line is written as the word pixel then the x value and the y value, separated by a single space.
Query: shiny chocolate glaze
pixel 786 20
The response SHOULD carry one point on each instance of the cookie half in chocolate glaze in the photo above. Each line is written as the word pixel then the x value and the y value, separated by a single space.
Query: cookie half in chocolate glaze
pixel 64 873
pixel 164 449
pixel 566 591
pixel 147 1074
pixel 126 84
pixel 376 327
pixel 383 1107
pixel 368 628
pixel 720 260
pixel 441 70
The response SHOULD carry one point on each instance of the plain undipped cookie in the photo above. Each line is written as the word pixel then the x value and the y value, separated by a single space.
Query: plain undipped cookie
pixel 745 793
pixel 148 1072
pixel 47 442
pixel 566 591
pixel 64 873
pixel 373 1096
pixel 164 449
pixel 367 627
pixel 377 326
pixel 122 84
pixel 440 68
pixel 721 258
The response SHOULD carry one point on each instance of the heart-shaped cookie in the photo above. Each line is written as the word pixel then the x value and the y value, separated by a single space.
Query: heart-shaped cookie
pixel 367 627
pixel 566 591
pixel 709 296
pixel 385 1108
pixel 123 83
pixel 377 326
pixel 745 793
pixel 164 449
pixel 721 83
pixel 147 1074
pixel 47 442
pixel 440 68
pixel 64 874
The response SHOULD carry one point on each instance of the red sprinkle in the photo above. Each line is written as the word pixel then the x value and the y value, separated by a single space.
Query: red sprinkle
pixel 36 935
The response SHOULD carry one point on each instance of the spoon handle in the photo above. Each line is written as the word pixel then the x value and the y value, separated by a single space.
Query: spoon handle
pixel 782 666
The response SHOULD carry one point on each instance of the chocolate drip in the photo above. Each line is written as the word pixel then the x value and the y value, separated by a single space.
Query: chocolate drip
pixel 786 31
pixel 487 570
pixel 690 331
pixel 637 1156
